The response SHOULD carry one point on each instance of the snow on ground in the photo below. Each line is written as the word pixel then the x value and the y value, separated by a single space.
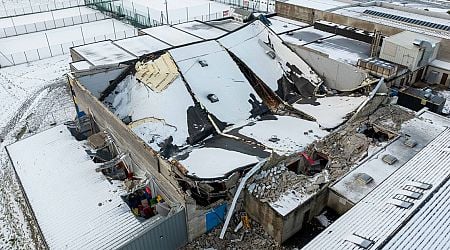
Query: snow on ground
pixel 20 7
pixel 140 102
pixel 215 162
pixel 41 99
pixel 178 10
pixel 285 135
pixel 45 16
pixel 224 80
pixel 331 111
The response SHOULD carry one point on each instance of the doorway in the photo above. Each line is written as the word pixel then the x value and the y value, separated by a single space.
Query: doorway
pixel 444 78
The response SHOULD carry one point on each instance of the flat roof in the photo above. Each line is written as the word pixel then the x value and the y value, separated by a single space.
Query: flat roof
pixel 440 64
pixel 226 24
pixel 171 35
pixel 384 211
pixel 419 129
pixel 358 12
pixel 282 25
pixel 200 29
pixel 317 4
pixel 103 53
pixel 75 206
pixel 141 45
pixel 331 111
pixel 306 35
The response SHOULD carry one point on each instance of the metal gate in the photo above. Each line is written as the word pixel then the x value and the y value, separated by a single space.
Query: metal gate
pixel 171 233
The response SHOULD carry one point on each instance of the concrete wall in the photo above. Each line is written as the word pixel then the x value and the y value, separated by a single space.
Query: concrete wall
pixel 143 155
pixel 439 77
pixel 337 75
pixel 295 12
pixel 338 203
pixel 279 227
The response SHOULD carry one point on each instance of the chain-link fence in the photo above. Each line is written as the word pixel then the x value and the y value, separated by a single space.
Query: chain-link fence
pixel 58 49
pixel 267 6
pixel 50 24
pixel 143 16
pixel 41 7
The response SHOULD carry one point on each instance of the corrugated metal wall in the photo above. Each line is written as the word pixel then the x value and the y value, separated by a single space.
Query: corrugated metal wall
pixel 169 234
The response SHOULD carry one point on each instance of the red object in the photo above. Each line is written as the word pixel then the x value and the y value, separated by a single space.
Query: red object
pixel 309 159
pixel 149 191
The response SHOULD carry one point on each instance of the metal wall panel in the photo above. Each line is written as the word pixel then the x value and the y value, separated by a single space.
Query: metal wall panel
pixel 171 233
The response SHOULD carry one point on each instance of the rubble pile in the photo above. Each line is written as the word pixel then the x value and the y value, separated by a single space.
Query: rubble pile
pixel 349 144
pixel 269 184
pixel 253 238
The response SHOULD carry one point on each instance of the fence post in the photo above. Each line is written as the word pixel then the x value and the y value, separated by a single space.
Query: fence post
pixel 187 14
pixel 62 50
pixel 25 54
pixel 48 43
pixel 39 55
pixel 114 29
pixel 209 11
pixel 53 17
pixel 82 35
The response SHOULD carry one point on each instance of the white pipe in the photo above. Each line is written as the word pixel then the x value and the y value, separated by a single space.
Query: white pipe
pixel 238 192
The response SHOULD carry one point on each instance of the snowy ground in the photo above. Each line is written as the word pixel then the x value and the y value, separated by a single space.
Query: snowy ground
pixel 32 97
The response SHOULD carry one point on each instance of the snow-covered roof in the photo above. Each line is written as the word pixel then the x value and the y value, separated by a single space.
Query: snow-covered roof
pixel 420 130
pixel 171 35
pixel 440 64
pixel 284 134
pixel 221 77
pixel 75 206
pixel 282 25
pixel 200 29
pixel 103 53
pixel 358 12
pixel 254 44
pixel 141 45
pixel 306 35
pixel 407 39
pixel 331 111
pixel 159 114
pixel 226 24
pixel 317 4
pixel 81 65
pixel 384 212
pixel 215 162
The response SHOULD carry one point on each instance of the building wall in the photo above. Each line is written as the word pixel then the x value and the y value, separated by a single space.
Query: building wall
pixel 437 80
pixel 395 53
pixel 295 12
pixel 143 155
pixel 280 227
pixel 338 203
pixel 337 75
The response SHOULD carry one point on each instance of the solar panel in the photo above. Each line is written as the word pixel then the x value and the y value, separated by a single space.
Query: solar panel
pixel 408 20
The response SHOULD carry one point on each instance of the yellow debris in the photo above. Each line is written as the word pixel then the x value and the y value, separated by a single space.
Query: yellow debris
pixel 157 74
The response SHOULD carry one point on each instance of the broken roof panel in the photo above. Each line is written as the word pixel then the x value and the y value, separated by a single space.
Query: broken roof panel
pixel 141 45
pixel 209 70
pixel 75 206
pixel 331 111
pixel 200 29
pixel 284 134
pixel 226 24
pixel 163 113
pixel 103 53
pixel 209 163
pixel 171 35
pixel 266 55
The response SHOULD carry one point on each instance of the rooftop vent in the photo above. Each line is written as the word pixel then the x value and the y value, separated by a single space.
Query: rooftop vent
pixel 203 63
pixel 401 204
pixel 419 185
pixel 364 178
pixel 360 241
pixel 410 143
pixel 389 159
pixel 410 194
pixel 212 98
pixel 271 54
